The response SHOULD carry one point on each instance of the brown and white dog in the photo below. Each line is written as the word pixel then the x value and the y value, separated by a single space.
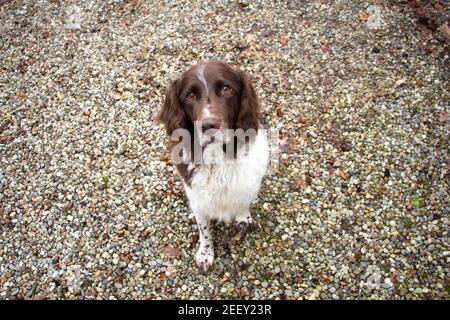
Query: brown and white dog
pixel 221 166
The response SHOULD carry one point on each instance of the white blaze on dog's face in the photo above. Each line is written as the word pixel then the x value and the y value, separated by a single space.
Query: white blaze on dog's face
pixel 201 76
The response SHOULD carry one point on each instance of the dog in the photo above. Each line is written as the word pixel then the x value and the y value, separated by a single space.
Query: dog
pixel 225 153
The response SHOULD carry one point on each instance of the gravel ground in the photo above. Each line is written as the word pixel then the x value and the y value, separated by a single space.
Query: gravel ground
pixel 90 206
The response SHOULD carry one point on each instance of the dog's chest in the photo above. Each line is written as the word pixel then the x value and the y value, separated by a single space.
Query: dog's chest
pixel 228 187
pixel 221 192
pixel 222 180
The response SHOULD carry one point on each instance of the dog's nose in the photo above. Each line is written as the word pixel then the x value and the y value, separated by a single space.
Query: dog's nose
pixel 210 123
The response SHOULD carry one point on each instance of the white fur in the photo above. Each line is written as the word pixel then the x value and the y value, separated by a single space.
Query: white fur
pixel 202 78
pixel 223 189
pixel 206 112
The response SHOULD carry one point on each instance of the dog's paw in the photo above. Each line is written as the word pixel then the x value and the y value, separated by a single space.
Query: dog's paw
pixel 245 227
pixel 204 258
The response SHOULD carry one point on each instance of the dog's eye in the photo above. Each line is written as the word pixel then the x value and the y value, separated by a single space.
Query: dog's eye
pixel 190 96
pixel 226 89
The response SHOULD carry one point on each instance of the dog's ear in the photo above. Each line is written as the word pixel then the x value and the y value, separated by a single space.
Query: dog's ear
pixel 172 114
pixel 248 116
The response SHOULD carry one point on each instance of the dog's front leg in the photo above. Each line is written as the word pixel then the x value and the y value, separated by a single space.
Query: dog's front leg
pixel 205 253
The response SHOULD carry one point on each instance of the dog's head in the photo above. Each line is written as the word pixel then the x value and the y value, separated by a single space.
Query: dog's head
pixel 213 95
